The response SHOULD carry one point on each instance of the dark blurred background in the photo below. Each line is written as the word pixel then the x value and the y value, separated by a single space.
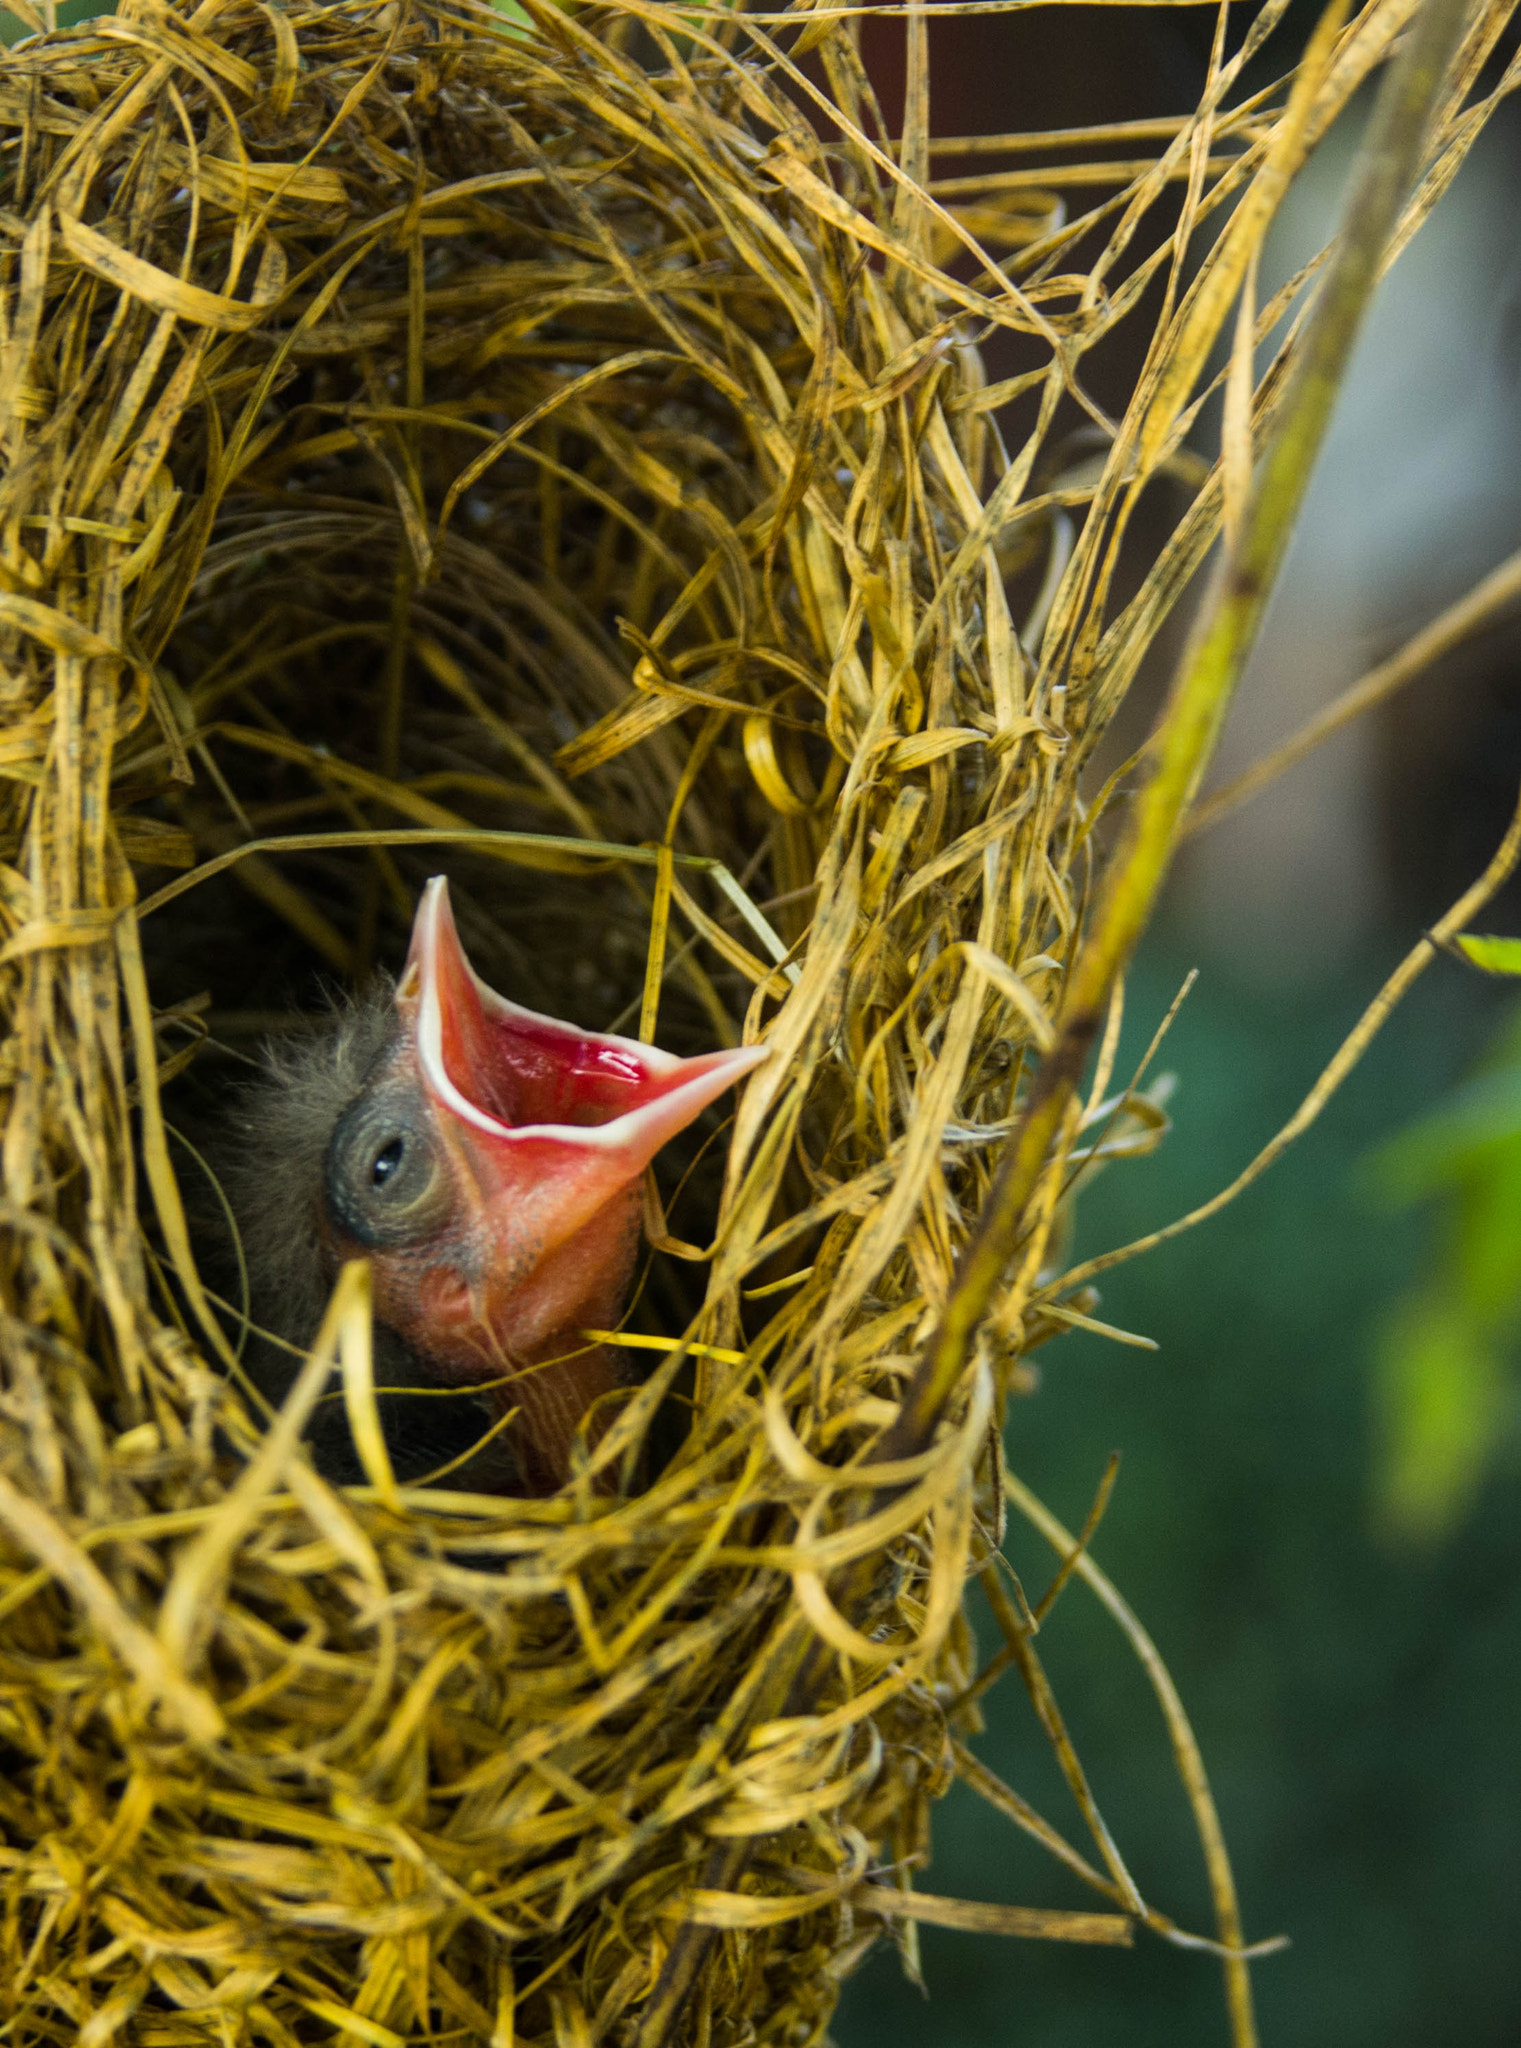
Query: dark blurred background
pixel 1353 1678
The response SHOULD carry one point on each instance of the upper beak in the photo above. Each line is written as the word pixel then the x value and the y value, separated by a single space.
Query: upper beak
pixel 553 1121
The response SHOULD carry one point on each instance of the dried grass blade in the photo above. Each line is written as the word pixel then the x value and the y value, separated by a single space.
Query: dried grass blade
pixel 1203 311
pixel 189 1602
pixel 971 1916
pixel 1185 1750
pixel 153 1664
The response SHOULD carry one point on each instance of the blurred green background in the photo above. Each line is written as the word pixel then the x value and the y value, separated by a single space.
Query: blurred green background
pixel 1357 1697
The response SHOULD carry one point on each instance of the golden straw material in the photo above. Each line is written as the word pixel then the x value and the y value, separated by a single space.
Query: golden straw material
pixel 520 443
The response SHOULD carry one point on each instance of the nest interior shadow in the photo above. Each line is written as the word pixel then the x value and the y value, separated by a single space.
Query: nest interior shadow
pixel 527 450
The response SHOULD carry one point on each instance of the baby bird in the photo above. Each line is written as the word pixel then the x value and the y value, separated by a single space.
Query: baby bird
pixel 487 1161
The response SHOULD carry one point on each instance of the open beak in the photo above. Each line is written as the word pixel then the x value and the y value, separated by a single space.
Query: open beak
pixel 492 1170
pixel 554 1122
pixel 490 1166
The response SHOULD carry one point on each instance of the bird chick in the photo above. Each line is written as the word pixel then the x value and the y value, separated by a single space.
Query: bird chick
pixel 487 1161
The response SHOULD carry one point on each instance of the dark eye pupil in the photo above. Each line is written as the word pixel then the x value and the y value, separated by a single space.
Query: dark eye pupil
pixel 386 1162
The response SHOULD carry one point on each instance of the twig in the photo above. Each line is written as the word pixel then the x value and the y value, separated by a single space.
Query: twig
pixel 1489 600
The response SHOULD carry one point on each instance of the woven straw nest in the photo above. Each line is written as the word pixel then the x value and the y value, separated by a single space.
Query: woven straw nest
pixel 434 441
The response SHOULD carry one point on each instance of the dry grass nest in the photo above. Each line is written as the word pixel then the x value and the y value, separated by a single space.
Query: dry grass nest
pixel 526 448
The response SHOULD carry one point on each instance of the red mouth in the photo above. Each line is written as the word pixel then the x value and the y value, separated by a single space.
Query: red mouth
pixel 554 1120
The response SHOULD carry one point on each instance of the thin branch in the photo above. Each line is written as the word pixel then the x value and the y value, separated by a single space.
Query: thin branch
pixel 1488 601
pixel 1347 1055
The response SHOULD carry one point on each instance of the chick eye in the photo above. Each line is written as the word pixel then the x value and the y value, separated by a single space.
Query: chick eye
pixel 386 1162
pixel 385 1183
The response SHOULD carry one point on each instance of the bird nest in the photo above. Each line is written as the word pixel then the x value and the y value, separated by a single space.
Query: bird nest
pixel 525 447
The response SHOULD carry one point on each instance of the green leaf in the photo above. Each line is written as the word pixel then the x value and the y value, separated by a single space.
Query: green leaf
pixel 1494 955
pixel 1481 1260
pixel 1440 1395
pixel 1452 1142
